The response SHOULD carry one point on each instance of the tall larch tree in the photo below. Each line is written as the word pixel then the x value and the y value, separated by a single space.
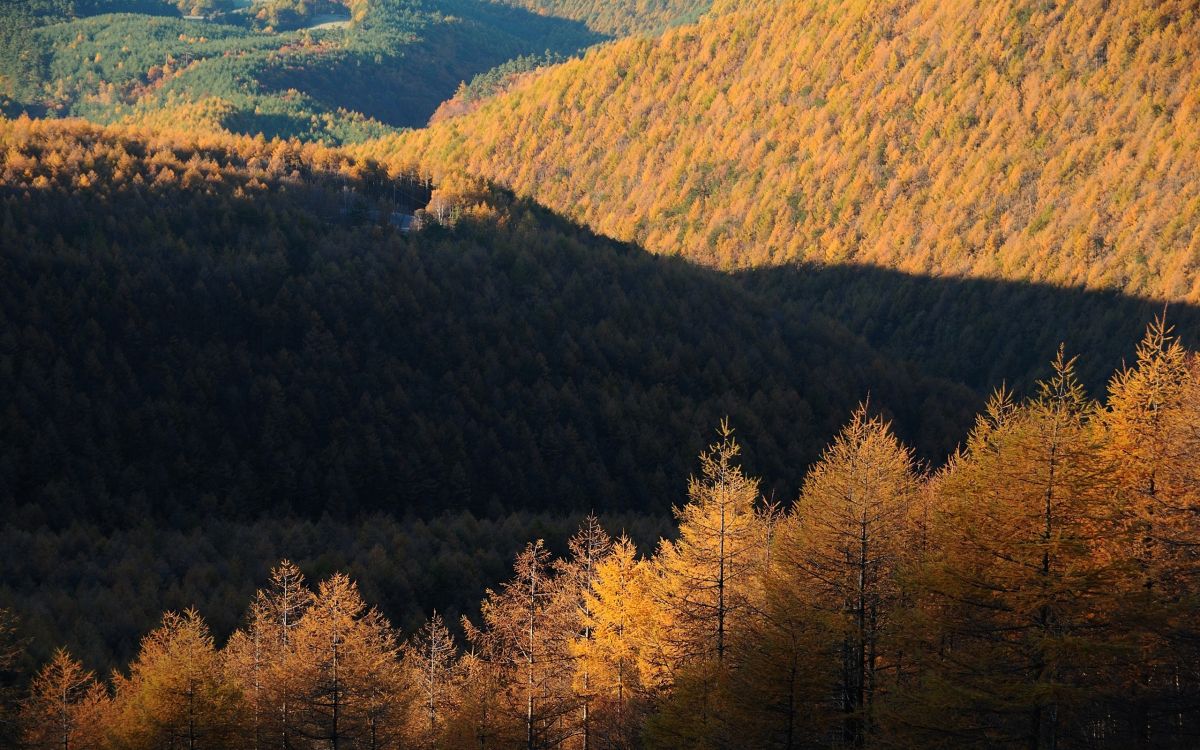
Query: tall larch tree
pixel 1152 438
pixel 708 573
pixel 65 707
pixel 343 664
pixel 176 694
pixel 256 654
pixel 527 632
pixel 844 550
pixel 577 575
pixel 380 685
pixel 706 582
pixel 1023 599
pixel 620 657
pixel 429 660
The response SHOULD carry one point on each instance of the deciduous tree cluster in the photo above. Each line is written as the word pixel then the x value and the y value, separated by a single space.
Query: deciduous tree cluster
pixel 1038 591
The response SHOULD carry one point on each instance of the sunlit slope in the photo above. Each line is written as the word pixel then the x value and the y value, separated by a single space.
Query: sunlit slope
pixel 1019 140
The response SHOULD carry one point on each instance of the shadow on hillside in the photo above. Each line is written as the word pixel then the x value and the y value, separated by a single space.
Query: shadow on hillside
pixel 404 87
pixel 208 355
pixel 239 355
pixel 174 357
pixel 978 332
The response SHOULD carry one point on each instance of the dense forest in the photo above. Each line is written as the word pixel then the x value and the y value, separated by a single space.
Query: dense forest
pixel 388 64
pixel 1037 591
pixel 219 348
pixel 470 95
pixel 1047 142
pixel 221 327
pixel 97 590
pixel 701 374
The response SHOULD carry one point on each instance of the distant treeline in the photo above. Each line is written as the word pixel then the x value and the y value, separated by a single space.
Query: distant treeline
pixel 270 68
pixel 96 591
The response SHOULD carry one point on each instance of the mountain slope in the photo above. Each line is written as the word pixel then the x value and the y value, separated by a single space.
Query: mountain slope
pixel 347 81
pixel 1014 140
pixel 192 327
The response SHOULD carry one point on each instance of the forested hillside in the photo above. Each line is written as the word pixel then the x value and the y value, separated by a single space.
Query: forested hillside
pixel 1036 592
pixel 620 17
pixel 1049 142
pixel 702 375
pixel 198 328
pixel 231 326
pixel 97 590
pixel 280 68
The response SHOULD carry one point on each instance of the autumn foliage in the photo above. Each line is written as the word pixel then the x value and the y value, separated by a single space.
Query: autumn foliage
pixel 1037 591
pixel 1015 140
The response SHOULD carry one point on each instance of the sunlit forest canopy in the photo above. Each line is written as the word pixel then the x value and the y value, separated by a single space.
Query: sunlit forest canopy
pixel 1047 142
pixel 599 375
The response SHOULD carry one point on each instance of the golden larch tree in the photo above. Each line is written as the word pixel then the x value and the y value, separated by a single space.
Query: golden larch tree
pixel 526 634
pixel 65 707
pixel 1152 438
pixel 621 656
pixel 344 670
pixel 176 694
pixel 705 584
pixel 846 543
pixel 1022 596
pixel 429 660
pixel 255 657
pixel 708 573
pixel 577 574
